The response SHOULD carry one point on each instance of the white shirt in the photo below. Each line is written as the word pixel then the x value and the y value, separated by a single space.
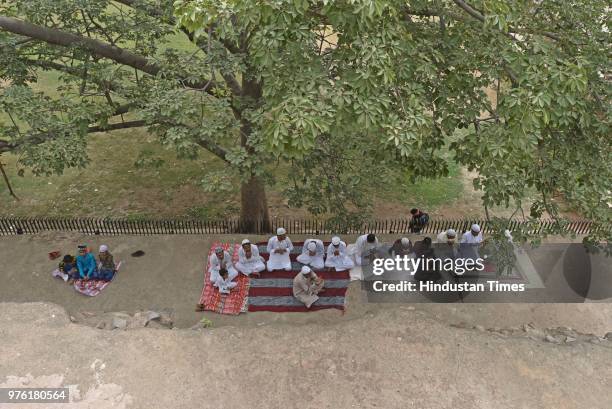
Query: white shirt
pixel 341 249
pixel 254 255
pixel 319 251
pixel 469 238
pixel 225 263
pixel 363 247
pixel 274 244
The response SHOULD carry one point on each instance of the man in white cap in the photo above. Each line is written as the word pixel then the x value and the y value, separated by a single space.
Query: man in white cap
pixel 312 253
pixel 401 247
pixel 107 268
pixel 249 260
pixel 279 247
pixel 337 256
pixel 366 248
pixel 449 236
pixel 306 286
pixel 221 259
pixel 472 236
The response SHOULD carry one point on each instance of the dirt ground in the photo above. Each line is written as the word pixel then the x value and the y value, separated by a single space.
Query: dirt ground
pixel 170 276
pixel 373 356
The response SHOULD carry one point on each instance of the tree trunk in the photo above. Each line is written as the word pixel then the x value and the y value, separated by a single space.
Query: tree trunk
pixel 254 214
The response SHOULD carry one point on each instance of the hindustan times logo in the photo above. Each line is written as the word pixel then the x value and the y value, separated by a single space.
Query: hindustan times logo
pixel 458 266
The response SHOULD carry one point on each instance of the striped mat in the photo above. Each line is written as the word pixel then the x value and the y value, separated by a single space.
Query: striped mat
pixel 273 291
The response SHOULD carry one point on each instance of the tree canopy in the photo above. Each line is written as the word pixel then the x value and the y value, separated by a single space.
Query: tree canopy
pixel 343 90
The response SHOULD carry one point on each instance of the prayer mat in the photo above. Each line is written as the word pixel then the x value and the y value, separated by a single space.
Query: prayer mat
pixel 236 301
pixel 273 291
pixel 92 288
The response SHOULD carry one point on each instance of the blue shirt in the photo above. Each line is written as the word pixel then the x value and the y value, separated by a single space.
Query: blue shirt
pixel 86 265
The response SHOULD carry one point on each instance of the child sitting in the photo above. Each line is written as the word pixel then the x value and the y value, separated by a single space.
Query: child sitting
pixel 68 268
pixel 223 282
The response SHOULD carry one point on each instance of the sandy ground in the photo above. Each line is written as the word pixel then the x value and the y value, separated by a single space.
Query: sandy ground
pixel 373 356
pixel 396 359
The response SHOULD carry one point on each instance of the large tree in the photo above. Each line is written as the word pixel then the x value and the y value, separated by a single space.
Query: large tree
pixel 336 88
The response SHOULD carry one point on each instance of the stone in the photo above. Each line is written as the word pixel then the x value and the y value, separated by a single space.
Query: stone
pixel 101 325
pixel 152 315
pixel 569 339
pixel 479 328
pixel 552 340
pixel 608 336
pixel 119 323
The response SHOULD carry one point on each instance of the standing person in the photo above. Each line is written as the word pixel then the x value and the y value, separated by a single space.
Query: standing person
pixel 249 260
pixel 107 264
pixel 418 221
pixel 306 286
pixel 221 259
pixel 223 282
pixel 401 247
pixel 337 256
pixel 313 252
pixel 279 247
pixel 86 264
pixel 366 248
pixel 470 242
pixel 472 236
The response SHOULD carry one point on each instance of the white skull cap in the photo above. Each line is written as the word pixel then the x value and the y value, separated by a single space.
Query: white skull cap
pixel 405 241
pixel 451 232
pixel 246 241
pixel 335 240
pixel 476 228
pixel 312 246
pixel 305 270
pixel 280 231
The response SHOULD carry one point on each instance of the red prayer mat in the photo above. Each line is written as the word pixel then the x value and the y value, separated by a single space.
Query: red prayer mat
pixel 233 303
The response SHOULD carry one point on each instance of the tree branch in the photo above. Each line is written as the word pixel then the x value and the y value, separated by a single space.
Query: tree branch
pixel 100 48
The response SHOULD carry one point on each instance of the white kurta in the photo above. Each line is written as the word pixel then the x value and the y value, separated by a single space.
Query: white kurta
pixel 306 289
pixel 469 238
pixel 315 261
pixel 216 264
pixel 363 249
pixel 279 261
pixel 341 261
pixel 442 238
pixel 224 286
pixel 253 264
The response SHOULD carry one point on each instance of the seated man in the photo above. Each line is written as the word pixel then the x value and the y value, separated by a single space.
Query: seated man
pixel 401 247
pixel 221 259
pixel 86 264
pixel 446 236
pixel 366 249
pixel 107 268
pixel 426 271
pixel 279 247
pixel 312 253
pixel 249 260
pixel 337 256
pixel 307 286
pixel 223 282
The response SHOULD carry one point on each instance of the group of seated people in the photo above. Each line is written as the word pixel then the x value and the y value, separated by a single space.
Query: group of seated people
pixel 85 266
pixel 307 285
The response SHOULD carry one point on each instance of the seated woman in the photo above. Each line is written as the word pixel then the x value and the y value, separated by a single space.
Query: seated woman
pixel 107 264
pixel 86 264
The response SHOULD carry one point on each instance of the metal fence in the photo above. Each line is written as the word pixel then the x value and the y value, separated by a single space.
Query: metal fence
pixel 115 226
